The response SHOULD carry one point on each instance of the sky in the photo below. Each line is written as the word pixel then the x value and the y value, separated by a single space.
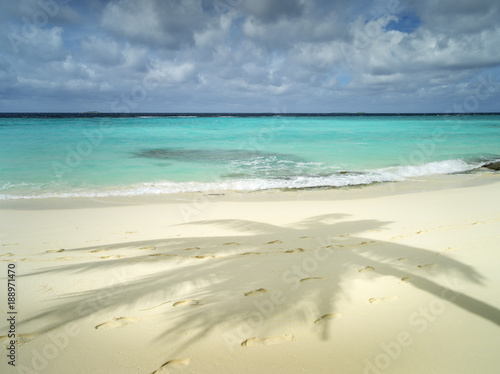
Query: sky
pixel 279 56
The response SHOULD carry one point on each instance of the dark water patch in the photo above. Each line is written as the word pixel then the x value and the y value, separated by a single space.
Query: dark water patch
pixel 465 172
pixel 209 155
pixel 292 175
pixel 330 187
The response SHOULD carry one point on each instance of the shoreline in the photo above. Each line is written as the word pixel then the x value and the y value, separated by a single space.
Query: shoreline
pixel 431 182
pixel 390 278
pixel 430 171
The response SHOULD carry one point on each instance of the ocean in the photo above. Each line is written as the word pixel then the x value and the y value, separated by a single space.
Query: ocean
pixel 92 156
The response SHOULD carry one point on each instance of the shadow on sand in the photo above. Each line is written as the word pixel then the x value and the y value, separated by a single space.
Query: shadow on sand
pixel 200 284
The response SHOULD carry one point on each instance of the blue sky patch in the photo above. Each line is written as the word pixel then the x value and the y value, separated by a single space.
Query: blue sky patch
pixel 406 23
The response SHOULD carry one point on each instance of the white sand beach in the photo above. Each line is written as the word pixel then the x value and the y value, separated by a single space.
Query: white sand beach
pixel 390 278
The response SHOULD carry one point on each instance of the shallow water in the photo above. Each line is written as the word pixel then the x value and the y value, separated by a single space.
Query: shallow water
pixel 48 157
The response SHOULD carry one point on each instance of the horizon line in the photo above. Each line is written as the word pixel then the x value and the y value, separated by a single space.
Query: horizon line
pixel 236 114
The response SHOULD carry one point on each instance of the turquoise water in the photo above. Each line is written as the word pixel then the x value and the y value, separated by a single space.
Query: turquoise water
pixel 48 157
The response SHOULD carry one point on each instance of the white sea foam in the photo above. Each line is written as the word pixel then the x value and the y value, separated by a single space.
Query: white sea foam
pixel 391 174
pixel 437 167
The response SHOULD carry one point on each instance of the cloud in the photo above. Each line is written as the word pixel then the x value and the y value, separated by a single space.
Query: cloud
pixel 167 24
pixel 248 55
pixel 40 12
pixel 215 34
pixel 309 25
pixel 271 11
pixel 456 17
pixel 166 73
pixel 104 52
pixel 40 45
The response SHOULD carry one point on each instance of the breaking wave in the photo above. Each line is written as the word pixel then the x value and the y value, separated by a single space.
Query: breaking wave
pixel 246 183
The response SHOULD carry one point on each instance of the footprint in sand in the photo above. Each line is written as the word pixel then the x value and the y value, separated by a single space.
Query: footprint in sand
pixel 275 242
pixel 406 279
pixel 231 243
pixel 334 246
pixel 192 248
pixel 115 323
pixel 99 250
pixel 55 251
pixel 159 254
pixel 45 288
pixel 256 292
pixel 172 364
pixel 310 278
pixel 254 342
pixel 328 317
pixel 304 237
pixel 448 250
pixel 21 339
pixel 249 253
pixel 107 257
pixel 205 256
pixel 297 250
pixel 375 300
pixel 25 338
pixel 148 248
pixel 366 268
pixel 7 254
pixel 188 303
pixel 426 266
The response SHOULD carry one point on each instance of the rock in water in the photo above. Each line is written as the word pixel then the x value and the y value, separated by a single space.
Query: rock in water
pixel 493 165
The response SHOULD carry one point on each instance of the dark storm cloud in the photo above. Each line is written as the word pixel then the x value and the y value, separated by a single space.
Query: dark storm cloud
pixel 156 23
pixel 271 11
pixel 459 17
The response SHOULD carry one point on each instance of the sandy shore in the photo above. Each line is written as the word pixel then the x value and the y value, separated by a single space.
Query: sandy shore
pixel 394 278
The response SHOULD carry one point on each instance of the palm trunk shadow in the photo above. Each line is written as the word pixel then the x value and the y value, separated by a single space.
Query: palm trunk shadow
pixel 468 303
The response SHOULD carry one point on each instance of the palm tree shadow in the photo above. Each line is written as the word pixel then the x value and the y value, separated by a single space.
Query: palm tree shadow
pixel 267 274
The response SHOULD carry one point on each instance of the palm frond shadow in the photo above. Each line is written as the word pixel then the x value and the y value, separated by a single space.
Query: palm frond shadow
pixel 323 248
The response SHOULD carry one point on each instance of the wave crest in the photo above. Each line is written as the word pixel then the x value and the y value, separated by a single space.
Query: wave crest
pixel 337 179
